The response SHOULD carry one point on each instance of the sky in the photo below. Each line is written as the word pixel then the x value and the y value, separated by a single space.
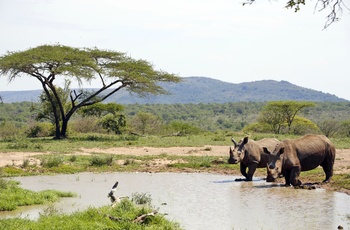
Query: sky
pixel 219 39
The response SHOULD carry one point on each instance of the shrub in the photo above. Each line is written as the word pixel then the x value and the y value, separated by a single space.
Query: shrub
pixel 141 198
pixel 101 160
pixel 40 129
pixel 52 161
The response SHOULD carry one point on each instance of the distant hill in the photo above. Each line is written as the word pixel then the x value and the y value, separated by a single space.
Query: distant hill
pixel 205 90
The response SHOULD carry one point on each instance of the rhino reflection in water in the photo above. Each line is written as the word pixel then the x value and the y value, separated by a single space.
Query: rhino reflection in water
pixel 250 154
pixel 290 157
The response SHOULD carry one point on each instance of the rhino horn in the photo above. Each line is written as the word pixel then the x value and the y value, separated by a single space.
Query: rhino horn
pixel 234 142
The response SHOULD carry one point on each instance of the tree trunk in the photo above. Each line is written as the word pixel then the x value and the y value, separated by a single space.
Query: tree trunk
pixel 64 127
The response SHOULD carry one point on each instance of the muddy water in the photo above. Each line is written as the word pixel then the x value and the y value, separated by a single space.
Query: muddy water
pixel 202 201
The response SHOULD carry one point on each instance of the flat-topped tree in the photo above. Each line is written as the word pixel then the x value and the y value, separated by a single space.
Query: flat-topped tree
pixel 114 70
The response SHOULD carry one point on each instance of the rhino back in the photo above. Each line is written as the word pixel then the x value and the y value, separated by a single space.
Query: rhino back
pixel 311 150
pixel 269 143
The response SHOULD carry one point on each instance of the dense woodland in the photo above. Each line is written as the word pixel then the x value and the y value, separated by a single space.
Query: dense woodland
pixel 331 118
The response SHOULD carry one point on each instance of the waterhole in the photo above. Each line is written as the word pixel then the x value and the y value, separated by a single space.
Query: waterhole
pixel 200 201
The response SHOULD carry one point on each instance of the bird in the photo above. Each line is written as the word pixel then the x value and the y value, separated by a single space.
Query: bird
pixel 111 193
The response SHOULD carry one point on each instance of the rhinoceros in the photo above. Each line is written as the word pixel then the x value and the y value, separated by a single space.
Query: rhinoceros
pixel 292 156
pixel 250 154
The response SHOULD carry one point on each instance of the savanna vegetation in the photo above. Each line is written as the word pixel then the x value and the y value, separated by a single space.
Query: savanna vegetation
pixel 110 125
pixel 128 214
pixel 43 128
pixel 114 71
pixel 30 119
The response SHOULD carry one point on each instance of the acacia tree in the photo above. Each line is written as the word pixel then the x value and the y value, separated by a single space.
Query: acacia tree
pixel 277 113
pixel 114 70
pixel 335 8
pixel 273 119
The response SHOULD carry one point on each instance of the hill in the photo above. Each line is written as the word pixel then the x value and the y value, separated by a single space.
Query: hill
pixel 205 90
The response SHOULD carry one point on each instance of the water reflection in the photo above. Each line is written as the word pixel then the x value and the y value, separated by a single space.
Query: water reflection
pixel 203 201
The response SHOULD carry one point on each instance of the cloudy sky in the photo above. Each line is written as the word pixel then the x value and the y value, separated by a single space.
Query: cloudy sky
pixel 219 39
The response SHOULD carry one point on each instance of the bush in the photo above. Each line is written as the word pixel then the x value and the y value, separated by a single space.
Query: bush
pixel 85 125
pixel 101 160
pixel 257 127
pixel 141 198
pixel 182 127
pixel 40 129
pixel 302 126
pixel 52 161
pixel 9 130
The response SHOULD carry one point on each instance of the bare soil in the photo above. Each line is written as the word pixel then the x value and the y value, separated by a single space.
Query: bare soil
pixel 341 165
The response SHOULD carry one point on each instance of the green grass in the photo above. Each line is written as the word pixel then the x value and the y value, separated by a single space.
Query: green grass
pixel 341 181
pixel 63 164
pixel 12 196
pixel 119 217
pixel 75 143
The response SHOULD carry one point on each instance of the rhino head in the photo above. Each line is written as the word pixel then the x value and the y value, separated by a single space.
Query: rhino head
pixel 274 164
pixel 237 152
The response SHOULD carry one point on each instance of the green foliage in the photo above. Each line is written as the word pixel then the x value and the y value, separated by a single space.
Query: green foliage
pixel 12 196
pixel 23 144
pixel 52 161
pixel 295 4
pixel 258 127
pixel 182 128
pixel 51 102
pixel 8 130
pixel 40 129
pixel 302 126
pixel 85 125
pixel 101 160
pixel 278 113
pixel 168 119
pixel 209 117
pixel 113 123
pixel 100 109
pixel 119 217
pixel 115 71
pixel 344 129
pixel 146 123
pixel 141 198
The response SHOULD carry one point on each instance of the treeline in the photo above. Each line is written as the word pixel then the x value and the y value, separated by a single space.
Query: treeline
pixel 166 119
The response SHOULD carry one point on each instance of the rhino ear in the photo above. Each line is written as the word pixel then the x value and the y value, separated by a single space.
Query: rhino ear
pixel 245 140
pixel 266 150
pixel 281 150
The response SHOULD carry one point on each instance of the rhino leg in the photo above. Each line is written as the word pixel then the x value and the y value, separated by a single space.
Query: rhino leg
pixel 251 170
pixel 329 173
pixel 287 177
pixel 294 175
pixel 327 166
pixel 243 169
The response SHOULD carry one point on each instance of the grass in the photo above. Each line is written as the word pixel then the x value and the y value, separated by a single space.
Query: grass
pixel 60 160
pixel 12 196
pixel 77 142
pixel 119 217
pixel 62 163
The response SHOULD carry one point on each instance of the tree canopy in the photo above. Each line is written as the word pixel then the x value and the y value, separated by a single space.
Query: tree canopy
pixel 277 113
pixel 335 8
pixel 114 70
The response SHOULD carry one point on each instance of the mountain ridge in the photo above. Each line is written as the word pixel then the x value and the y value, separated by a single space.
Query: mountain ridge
pixel 204 90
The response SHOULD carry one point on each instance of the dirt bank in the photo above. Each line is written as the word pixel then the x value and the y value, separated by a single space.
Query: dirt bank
pixel 341 165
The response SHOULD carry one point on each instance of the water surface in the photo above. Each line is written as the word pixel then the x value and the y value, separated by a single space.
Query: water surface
pixel 201 201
